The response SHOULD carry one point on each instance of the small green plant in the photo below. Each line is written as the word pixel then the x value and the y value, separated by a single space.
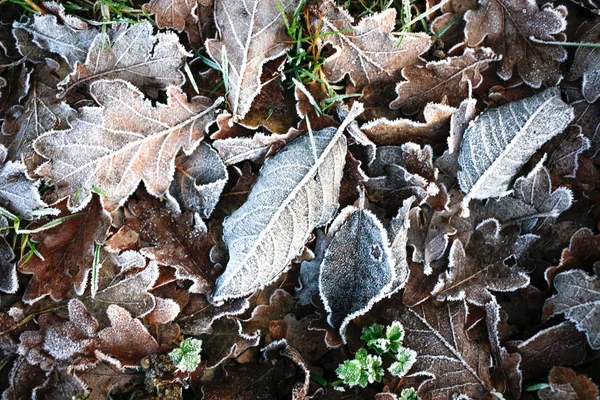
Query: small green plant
pixel 187 356
pixel 367 368
pixel 409 394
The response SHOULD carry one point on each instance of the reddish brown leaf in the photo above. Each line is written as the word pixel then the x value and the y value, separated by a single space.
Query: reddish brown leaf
pixel 566 384
pixel 104 380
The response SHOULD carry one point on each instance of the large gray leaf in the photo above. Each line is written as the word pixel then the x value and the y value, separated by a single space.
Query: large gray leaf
pixel 252 32
pixel 533 204
pixel 296 192
pixel 150 62
pixel 501 140
pixel 578 298
pixel 350 282
pixel 199 180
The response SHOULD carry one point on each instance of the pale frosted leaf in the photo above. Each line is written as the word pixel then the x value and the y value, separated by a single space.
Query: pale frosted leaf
pixel 397 230
pixel 17 193
pixel 578 298
pixel 428 235
pixel 41 36
pixel 173 13
pixel 501 140
pixel 251 32
pixel 41 112
pixel 351 282
pixel 309 271
pixel 367 51
pixel 564 161
pixel 133 53
pixel 508 28
pixel 296 192
pixel 124 141
pixel 199 180
pixel 587 62
pixel 166 310
pixel 481 267
pixel 532 205
pixel 9 282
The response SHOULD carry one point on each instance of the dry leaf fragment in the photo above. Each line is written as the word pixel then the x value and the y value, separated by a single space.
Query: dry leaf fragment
pixel 199 180
pixel 578 298
pixel 104 380
pixel 174 14
pixel 511 29
pixel 225 341
pixel 132 53
pixel 367 51
pixel 566 384
pixel 122 142
pixel 351 282
pixel 9 282
pixel 587 62
pixel 68 253
pixel 309 271
pixel 252 32
pixel 397 230
pixel 451 79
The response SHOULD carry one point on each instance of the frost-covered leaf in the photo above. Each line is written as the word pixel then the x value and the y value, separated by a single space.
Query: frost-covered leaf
pixel 174 14
pixel 226 342
pixel 104 380
pixel 523 23
pixel 60 385
pixel 364 369
pixel 587 62
pixel 532 205
pixel 132 53
pixel 397 230
pixel 124 141
pixel 309 271
pixel 564 161
pixel 367 51
pixel 68 253
pixel 578 298
pixel 501 140
pixel 186 357
pixel 252 32
pixel 566 384
pixel 199 180
pixel 127 341
pixel 453 364
pixel 450 79
pixel 481 266
pixel 41 112
pixel 433 130
pixel 296 192
pixel 280 304
pixel 351 282
pixel 17 193
pixel 201 314
pixel 42 35
pixel 8 272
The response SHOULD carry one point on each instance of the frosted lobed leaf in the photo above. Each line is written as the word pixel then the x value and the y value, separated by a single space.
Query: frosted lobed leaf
pixel 367 51
pixel 187 356
pixel 251 33
pixel 225 341
pixel 42 35
pixel 199 180
pixel 578 298
pixel 501 140
pixel 564 161
pixel 17 193
pixel 532 205
pixel 397 230
pixel 451 79
pixel 481 267
pixel 351 282
pixel 174 14
pixel 587 62
pixel 41 112
pixel 122 142
pixel 60 385
pixel 296 192
pixel 132 53
pixel 510 28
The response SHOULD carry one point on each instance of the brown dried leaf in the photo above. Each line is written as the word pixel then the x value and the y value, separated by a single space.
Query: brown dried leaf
pixel 367 51
pixel 104 380
pixel 566 384
pixel 510 28
pixel 68 251
pixel 279 305
pixel 199 314
pixel 124 141
pixel 225 341
pixel 449 80
pixel 174 14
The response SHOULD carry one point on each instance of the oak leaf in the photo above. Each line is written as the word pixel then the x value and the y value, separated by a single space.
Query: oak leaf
pixel 122 142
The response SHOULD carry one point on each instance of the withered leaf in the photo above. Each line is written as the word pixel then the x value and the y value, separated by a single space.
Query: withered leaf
pixel 60 384
pixel 132 53
pixel 122 142
pixel 564 161
pixel 351 282
pixel 566 384
pixel 450 79
pixel 199 180
pixel 174 14
pixel 578 298
pixel 251 33
pixel 481 267
pixel 587 62
pixel 9 282
pixel 397 230
pixel 103 380
pixel 510 28
pixel 501 140
pixel 225 341
pixel 68 253
pixel 309 270
pixel 296 192
pixel 279 305
pixel 127 341
pixel 367 51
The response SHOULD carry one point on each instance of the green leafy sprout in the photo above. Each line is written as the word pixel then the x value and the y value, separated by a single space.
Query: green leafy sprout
pixel 187 356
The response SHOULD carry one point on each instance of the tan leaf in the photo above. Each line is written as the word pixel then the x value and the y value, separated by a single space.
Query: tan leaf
pixel 566 384
pixel 251 33
pixel 367 51
pixel 173 13
pixel 512 38
pixel 451 79
pixel 124 141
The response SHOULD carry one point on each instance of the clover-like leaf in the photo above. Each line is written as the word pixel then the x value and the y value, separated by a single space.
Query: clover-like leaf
pixel 405 358
pixel 186 357
pixel 124 141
